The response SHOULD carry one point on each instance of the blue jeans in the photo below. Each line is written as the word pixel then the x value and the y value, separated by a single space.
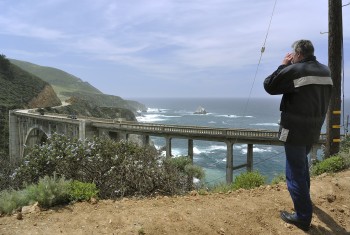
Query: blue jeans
pixel 298 179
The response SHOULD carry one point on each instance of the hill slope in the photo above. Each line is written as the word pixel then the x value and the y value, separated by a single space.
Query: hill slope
pixel 60 80
pixel 67 86
pixel 20 88
pixel 247 212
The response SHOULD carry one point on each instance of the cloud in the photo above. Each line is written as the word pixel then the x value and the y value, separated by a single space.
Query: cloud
pixel 168 40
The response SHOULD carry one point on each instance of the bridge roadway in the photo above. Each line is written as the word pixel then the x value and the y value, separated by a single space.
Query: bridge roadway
pixel 125 128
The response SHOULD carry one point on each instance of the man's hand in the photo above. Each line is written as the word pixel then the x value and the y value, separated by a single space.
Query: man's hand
pixel 288 59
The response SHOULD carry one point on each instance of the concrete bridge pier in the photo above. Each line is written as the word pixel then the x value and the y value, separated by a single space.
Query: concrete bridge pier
pixel 145 140
pixel 86 130
pixel 229 162
pixel 82 125
pixel 250 157
pixel 190 149
pixel 14 140
pixel 168 146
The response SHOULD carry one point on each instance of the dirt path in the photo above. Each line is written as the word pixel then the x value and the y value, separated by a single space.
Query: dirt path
pixel 240 212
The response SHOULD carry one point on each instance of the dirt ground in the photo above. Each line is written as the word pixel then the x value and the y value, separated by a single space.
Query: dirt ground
pixel 240 212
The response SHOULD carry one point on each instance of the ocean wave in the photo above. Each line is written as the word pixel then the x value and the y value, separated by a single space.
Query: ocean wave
pixel 265 124
pixel 259 150
pixel 150 118
pixel 154 117
pixel 197 150
pixel 233 116
pixel 209 149
pixel 241 146
pixel 156 110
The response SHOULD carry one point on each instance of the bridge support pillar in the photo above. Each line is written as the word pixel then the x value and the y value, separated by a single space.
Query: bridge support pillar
pixel 229 162
pixel 190 150
pixel 82 126
pixel 14 140
pixel 168 146
pixel 145 139
pixel 313 154
pixel 250 157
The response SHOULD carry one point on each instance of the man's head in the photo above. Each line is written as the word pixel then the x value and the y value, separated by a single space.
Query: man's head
pixel 301 50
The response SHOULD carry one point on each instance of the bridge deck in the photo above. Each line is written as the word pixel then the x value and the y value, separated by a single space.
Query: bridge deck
pixel 240 135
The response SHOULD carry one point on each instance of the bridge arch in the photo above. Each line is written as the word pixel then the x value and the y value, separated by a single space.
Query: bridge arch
pixel 35 135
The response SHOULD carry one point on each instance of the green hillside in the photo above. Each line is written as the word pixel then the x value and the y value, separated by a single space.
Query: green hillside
pixel 103 100
pixel 17 87
pixel 60 81
pixel 68 86
pixel 17 90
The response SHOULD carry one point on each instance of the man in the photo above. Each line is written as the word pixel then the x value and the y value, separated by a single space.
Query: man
pixel 306 86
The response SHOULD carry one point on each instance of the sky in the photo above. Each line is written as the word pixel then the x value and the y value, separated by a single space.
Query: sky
pixel 167 48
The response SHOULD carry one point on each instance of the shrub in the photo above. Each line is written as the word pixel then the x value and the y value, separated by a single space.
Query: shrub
pixel 50 191
pixel 248 180
pixel 279 178
pixel 330 165
pixel 194 171
pixel 345 144
pixel 11 200
pixel 221 188
pixel 184 165
pixel 79 191
pixel 116 168
pixel 6 168
pixel 179 162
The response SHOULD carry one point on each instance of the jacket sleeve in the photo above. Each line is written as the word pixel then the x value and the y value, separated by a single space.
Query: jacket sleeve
pixel 280 81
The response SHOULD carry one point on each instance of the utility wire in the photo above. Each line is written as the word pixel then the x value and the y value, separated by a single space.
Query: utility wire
pixel 261 54
pixel 257 68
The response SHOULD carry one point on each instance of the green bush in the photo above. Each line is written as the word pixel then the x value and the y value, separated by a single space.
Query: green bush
pixel 79 191
pixel 221 188
pixel 330 165
pixel 194 171
pixel 184 165
pixel 11 200
pixel 50 191
pixel 248 180
pixel 116 168
pixel 179 162
pixel 279 178
pixel 345 144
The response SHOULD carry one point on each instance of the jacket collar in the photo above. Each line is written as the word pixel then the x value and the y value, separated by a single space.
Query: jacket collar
pixel 310 58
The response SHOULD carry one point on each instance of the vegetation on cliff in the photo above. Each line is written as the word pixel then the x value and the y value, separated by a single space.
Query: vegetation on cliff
pixel 20 89
pixel 67 86
pixel 60 80
pixel 117 169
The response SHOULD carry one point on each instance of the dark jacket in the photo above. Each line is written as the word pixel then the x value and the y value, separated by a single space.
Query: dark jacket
pixel 306 87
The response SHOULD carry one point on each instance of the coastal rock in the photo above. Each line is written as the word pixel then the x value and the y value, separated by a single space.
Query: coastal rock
pixel 200 110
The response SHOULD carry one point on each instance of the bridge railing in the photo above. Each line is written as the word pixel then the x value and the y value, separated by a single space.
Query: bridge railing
pixel 200 130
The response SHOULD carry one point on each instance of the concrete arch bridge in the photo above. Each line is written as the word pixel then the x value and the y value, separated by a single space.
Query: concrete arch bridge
pixel 27 128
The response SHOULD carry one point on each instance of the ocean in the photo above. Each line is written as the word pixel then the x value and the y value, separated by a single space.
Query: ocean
pixel 253 113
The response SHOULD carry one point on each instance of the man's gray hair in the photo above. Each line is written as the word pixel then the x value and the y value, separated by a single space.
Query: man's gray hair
pixel 304 47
